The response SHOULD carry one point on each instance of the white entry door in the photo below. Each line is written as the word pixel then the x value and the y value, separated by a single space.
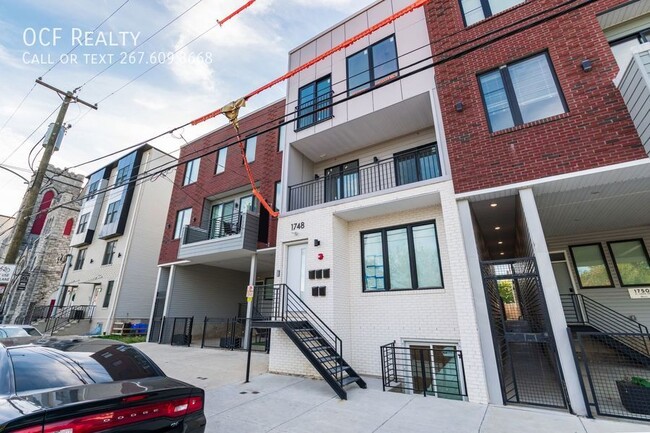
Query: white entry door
pixel 296 272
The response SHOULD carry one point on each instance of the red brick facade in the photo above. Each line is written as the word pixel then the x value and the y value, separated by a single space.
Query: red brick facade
pixel 266 169
pixel 597 130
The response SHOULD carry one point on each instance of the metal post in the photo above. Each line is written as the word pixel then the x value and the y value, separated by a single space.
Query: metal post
pixel 424 373
pixel 248 358
pixel 249 304
pixel 205 324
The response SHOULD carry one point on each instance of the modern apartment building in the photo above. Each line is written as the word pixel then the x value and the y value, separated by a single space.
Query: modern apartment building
pixel 218 239
pixel 115 241
pixel 543 105
pixel 369 242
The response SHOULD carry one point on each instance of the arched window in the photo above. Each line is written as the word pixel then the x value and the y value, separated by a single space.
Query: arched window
pixel 39 222
pixel 68 227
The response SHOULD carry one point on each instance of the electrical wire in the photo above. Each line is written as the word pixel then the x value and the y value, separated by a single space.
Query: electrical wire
pixel 32 133
pixel 93 31
pixel 22 101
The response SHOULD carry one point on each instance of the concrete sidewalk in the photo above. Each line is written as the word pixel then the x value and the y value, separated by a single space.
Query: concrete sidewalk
pixel 294 404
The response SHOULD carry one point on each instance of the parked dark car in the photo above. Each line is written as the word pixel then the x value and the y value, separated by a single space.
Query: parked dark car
pixel 92 386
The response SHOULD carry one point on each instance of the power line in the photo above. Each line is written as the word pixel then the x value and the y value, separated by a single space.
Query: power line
pixel 32 133
pixel 93 30
pixel 22 101
pixel 143 42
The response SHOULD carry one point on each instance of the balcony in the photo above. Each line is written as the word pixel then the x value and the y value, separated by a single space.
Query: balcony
pixel 229 237
pixel 353 180
pixel 634 84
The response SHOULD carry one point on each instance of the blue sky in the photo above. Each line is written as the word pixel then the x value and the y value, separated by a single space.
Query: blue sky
pixel 226 63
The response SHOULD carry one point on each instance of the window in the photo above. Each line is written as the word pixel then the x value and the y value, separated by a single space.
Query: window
pixel 81 257
pixel 590 266
pixel 122 175
pixel 277 200
pixel 373 65
pixel 477 10
pixel 417 164
pixel 401 258
pixel 521 92
pixel 314 102
pixel 342 181
pixel 631 262
pixel 108 253
pixel 107 296
pixel 92 189
pixel 251 147
pixel 41 217
pixel 191 171
pixel 83 223
pixel 247 203
pixel 282 130
pixel 111 212
pixel 222 154
pixel 182 219
pixel 622 48
pixel 67 230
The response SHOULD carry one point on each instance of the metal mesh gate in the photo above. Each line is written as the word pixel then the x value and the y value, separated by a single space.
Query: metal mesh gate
pixel 524 344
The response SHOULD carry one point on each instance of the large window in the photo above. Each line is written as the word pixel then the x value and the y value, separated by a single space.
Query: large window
pixel 590 265
pixel 182 219
pixel 477 10
pixel 314 101
pixel 122 175
pixel 107 296
pixel 251 148
pixel 401 258
pixel 109 252
pixel 373 65
pixel 521 92
pixel 111 212
pixel 81 258
pixel 277 200
pixel 417 164
pixel 92 189
pixel 222 154
pixel 247 203
pixel 342 181
pixel 83 222
pixel 191 171
pixel 631 261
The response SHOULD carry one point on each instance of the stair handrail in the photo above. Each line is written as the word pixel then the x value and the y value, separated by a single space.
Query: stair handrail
pixel 284 298
pixel 64 315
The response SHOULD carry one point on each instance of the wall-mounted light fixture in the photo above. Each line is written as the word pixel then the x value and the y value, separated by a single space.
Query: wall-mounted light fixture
pixel 316 177
pixel 92 261
pixel 459 106
pixel 119 255
pixel 586 65
pixel 316 242
pixel 375 159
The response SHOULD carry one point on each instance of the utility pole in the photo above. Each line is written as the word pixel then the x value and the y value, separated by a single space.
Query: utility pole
pixel 27 206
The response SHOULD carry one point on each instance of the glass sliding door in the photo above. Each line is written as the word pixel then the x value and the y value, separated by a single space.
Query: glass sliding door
pixel 342 181
pixel 222 215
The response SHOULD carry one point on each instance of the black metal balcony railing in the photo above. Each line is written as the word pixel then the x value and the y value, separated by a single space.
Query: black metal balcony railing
pixel 312 111
pixel 218 228
pixel 402 169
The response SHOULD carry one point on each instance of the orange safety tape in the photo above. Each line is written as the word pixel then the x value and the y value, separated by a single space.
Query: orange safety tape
pixel 326 54
pixel 256 192
pixel 221 22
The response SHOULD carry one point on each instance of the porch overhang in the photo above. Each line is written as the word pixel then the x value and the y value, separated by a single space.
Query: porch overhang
pixel 387 204
pixel 396 120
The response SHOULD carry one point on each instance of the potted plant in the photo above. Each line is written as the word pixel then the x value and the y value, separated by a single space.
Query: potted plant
pixel 635 394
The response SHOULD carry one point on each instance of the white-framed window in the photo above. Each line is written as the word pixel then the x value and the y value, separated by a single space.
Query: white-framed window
pixel 282 131
pixel 477 10
pixel 251 147
pixel 191 171
pixel 83 223
pixel 403 257
pixel 183 218
pixel 222 154
pixel 277 200
pixel 521 92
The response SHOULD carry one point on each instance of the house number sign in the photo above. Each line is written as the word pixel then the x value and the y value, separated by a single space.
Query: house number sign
pixel 298 226
pixel 640 293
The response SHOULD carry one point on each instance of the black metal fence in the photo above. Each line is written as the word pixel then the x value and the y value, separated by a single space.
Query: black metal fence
pixel 424 369
pixel 405 168
pixel 615 376
pixel 228 333
pixel 227 225
pixel 176 331
pixel 60 316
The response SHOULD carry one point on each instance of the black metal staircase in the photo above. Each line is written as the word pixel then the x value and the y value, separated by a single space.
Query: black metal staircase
pixel 279 307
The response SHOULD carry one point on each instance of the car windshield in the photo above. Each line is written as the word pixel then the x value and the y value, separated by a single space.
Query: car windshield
pixel 13 332
pixel 33 332
pixel 43 367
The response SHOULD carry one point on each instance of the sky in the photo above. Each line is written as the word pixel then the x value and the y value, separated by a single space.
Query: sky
pixel 222 65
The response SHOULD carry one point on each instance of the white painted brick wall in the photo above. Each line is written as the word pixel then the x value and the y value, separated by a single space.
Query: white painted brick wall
pixel 365 321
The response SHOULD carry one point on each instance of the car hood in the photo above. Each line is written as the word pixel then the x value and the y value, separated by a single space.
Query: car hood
pixel 34 404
